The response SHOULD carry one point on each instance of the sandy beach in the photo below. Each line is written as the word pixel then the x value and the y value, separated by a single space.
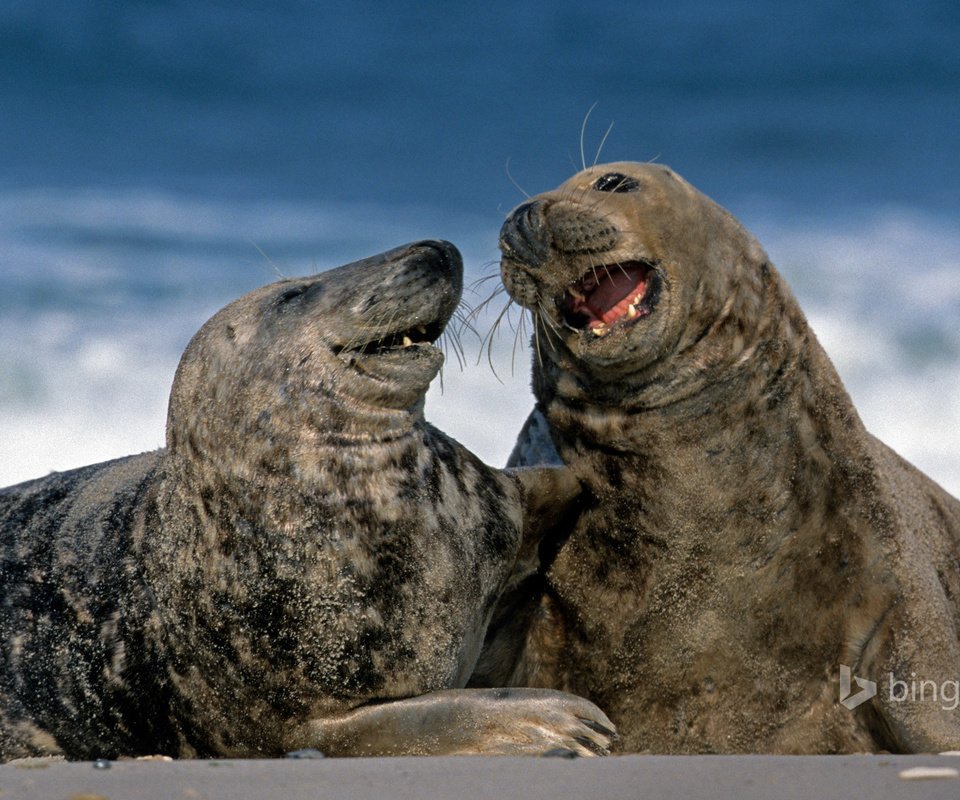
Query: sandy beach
pixel 465 778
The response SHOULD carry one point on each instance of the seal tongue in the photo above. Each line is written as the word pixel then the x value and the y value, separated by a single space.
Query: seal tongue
pixel 608 294
pixel 613 295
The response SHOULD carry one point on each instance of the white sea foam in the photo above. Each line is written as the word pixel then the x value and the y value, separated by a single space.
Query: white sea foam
pixel 100 293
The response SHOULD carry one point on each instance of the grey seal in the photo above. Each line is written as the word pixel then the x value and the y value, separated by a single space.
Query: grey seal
pixel 751 564
pixel 307 564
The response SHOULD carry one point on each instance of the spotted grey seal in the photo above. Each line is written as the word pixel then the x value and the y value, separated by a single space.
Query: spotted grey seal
pixel 747 543
pixel 307 564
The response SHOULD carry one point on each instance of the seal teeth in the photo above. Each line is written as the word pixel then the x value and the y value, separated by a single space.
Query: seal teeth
pixel 422 329
pixel 599 330
pixel 631 310
pixel 407 341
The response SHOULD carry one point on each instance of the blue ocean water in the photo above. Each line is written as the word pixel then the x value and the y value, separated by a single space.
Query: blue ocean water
pixel 159 158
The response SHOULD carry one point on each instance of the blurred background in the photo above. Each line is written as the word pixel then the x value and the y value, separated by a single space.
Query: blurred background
pixel 158 159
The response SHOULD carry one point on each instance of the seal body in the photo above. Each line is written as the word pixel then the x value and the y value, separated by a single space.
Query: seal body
pixel 308 563
pixel 747 544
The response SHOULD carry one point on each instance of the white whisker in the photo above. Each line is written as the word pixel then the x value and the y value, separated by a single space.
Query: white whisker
pixel 583 130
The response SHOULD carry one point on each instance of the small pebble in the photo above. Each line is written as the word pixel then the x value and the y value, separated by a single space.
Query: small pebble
pixel 928 773
pixel 306 753
pixel 101 763
pixel 950 753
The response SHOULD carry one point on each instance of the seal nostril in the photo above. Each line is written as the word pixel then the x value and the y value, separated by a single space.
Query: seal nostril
pixel 524 209
pixel 446 250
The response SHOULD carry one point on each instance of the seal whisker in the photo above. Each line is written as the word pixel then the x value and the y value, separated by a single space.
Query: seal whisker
pixel 543 320
pixel 536 338
pixel 451 337
pixel 269 260
pixel 487 342
pixel 552 325
pixel 519 188
pixel 519 337
pixel 593 269
pixel 484 278
pixel 583 131
pixel 464 316
pixel 481 307
pixel 465 324
pixel 603 141
pixel 375 324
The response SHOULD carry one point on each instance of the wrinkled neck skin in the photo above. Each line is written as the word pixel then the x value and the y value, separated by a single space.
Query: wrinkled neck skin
pixel 274 445
pixel 302 449
pixel 756 339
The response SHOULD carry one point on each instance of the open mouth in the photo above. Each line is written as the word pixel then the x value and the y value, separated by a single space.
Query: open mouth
pixel 426 334
pixel 611 295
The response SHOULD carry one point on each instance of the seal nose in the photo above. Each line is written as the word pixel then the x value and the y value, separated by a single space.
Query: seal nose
pixel 442 258
pixel 524 236
pixel 449 255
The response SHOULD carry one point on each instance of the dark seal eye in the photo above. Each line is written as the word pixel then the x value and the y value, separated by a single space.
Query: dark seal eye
pixel 616 182
pixel 288 296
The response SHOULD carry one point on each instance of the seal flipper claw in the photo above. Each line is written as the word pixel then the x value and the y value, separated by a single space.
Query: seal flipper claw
pixel 600 728
pixel 592 746
pixel 561 752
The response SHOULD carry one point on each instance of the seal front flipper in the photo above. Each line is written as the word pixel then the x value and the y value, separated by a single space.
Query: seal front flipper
pixel 553 498
pixel 465 722
pixel 913 652
pixel 915 706
pixel 534 445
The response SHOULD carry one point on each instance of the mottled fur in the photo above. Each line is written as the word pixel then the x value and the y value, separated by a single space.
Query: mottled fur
pixel 308 563
pixel 745 535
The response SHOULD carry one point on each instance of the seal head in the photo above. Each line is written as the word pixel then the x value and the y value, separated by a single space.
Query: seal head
pixel 346 355
pixel 626 266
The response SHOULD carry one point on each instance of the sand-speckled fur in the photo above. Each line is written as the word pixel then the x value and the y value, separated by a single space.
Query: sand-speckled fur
pixel 305 549
pixel 746 536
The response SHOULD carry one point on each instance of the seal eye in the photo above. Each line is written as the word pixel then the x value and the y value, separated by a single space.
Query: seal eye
pixel 616 182
pixel 289 295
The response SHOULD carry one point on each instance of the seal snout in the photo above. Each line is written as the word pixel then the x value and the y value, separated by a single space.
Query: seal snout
pixel 545 238
pixel 439 265
pixel 536 233
pixel 524 236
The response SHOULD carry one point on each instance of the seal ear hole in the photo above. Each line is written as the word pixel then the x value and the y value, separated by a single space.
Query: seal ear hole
pixel 616 182
pixel 231 333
